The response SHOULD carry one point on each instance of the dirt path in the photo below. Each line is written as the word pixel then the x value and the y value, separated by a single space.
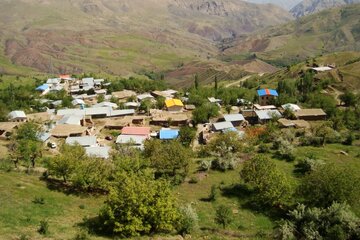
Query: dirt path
pixel 237 82
pixel 336 94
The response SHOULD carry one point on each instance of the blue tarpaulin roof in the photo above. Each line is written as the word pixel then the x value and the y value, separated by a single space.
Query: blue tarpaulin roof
pixel 168 134
pixel 42 87
pixel 267 92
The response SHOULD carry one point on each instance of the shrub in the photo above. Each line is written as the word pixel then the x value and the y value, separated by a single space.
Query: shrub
pixel 194 180
pixel 24 237
pixel 307 165
pixel 223 216
pixel 44 227
pixel 204 165
pixel 189 220
pixel 82 206
pixel 214 193
pixel 263 148
pixel 39 200
pixel 349 139
pixel 82 235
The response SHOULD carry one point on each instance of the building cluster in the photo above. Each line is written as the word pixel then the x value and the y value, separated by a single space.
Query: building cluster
pixel 87 120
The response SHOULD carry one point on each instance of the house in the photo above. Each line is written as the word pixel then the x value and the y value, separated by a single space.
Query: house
pixel 122 112
pixel 311 114
pixel 43 89
pixel 235 119
pixel 53 81
pixel 101 92
pixel 71 111
pixel 291 107
pixel 265 107
pixel 98 82
pixel 166 94
pixel 169 119
pixel 87 84
pixel 124 122
pixel 125 94
pixel 17 116
pixel 145 96
pixel 43 137
pixel 132 140
pixel 221 126
pixel 67 130
pixel 85 141
pixel 174 105
pixel 7 128
pixel 66 77
pixel 286 123
pixel 190 107
pixel 131 105
pixel 98 112
pixel 40 117
pixel 266 115
pixel 99 152
pixel 168 134
pixel 138 131
pixel 78 102
pixel 72 120
pixel 267 96
pixel 106 104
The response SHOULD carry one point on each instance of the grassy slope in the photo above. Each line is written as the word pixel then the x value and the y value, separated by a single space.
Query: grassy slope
pixel 19 215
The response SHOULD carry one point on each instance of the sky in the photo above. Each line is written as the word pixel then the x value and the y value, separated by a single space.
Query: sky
pixel 286 4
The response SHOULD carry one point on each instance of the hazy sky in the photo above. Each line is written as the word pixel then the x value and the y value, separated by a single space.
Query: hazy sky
pixel 287 4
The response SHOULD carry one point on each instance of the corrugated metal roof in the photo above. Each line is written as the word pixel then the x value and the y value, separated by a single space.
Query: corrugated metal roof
pixel 222 126
pixel 234 117
pixel 144 96
pixel 71 111
pixel 267 92
pixel 78 102
pixel 53 81
pixel 100 152
pixel 291 106
pixel 42 87
pixel 173 102
pixel 71 119
pixel 17 114
pixel 98 111
pixel 122 112
pixel 267 114
pixel 169 134
pixel 105 104
pixel 83 141
pixel 137 140
pixel 140 131
pixel 44 136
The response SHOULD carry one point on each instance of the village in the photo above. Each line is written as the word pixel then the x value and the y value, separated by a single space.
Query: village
pixel 98 121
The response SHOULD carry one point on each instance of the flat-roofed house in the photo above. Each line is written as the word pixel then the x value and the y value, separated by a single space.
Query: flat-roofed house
pixel 106 104
pixel 84 141
pixel 314 114
pixel 174 105
pixel 43 89
pixel 267 96
pixel 71 120
pixel 17 116
pixel 125 94
pixel 266 115
pixel 132 140
pixel 67 130
pixel 292 107
pixel 7 128
pixel 145 96
pixel 168 134
pixel 235 119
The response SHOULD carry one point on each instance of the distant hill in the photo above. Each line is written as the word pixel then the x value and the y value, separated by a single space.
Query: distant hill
pixel 286 4
pixel 307 7
pixel 329 31
pixel 123 36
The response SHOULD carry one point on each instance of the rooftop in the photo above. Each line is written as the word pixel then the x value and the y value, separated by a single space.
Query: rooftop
pixel 310 112
pixel 267 114
pixel 82 141
pixel 234 117
pixel 100 152
pixel 17 114
pixel 222 126
pixel 140 131
pixel 137 140
pixel 168 134
pixel 267 92
pixel 173 102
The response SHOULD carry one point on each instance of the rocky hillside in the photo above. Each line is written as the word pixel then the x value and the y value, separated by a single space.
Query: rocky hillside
pixel 312 6
pixel 329 31
pixel 123 36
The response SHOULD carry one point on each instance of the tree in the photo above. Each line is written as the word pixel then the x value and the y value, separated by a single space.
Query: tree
pixel 26 145
pixel 335 222
pixel 223 216
pixel 348 98
pixel 330 183
pixel 64 164
pixel 169 159
pixel 189 220
pixel 196 81
pixel 160 102
pixel 186 135
pixel 271 186
pixel 100 98
pixel 203 113
pixel 139 205
pixel 145 106
pixel 215 84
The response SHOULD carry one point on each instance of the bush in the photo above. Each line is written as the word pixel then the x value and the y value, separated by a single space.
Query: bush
pixel 44 227
pixel 82 235
pixel 24 237
pixel 189 220
pixel 194 180
pixel 228 162
pixel 39 200
pixel 204 165
pixel 214 193
pixel 307 165
pixel 6 164
pixel 263 148
pixel 223 216
pixel 349 139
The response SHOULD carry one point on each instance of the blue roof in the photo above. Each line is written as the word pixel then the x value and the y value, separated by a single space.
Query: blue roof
pixel 267 92
pixel 168 134
pixel 42 87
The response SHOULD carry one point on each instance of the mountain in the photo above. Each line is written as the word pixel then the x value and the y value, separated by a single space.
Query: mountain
pixel 332 30
pixel 123 36
pixel 307 7
pixel 286 4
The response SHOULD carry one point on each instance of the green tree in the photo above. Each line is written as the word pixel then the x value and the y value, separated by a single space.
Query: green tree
pixel 215 83
pixel 330 183
pixel 146 105
pixel 271 186
pixel 203 113
pixel 349 99
pixel 100 98
pixel 189 220
pixel 335 222
pixel 196 81
pixel 139 205
pixel 223 216
pixel 169 159
pixel 160 102
pixel 186 135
